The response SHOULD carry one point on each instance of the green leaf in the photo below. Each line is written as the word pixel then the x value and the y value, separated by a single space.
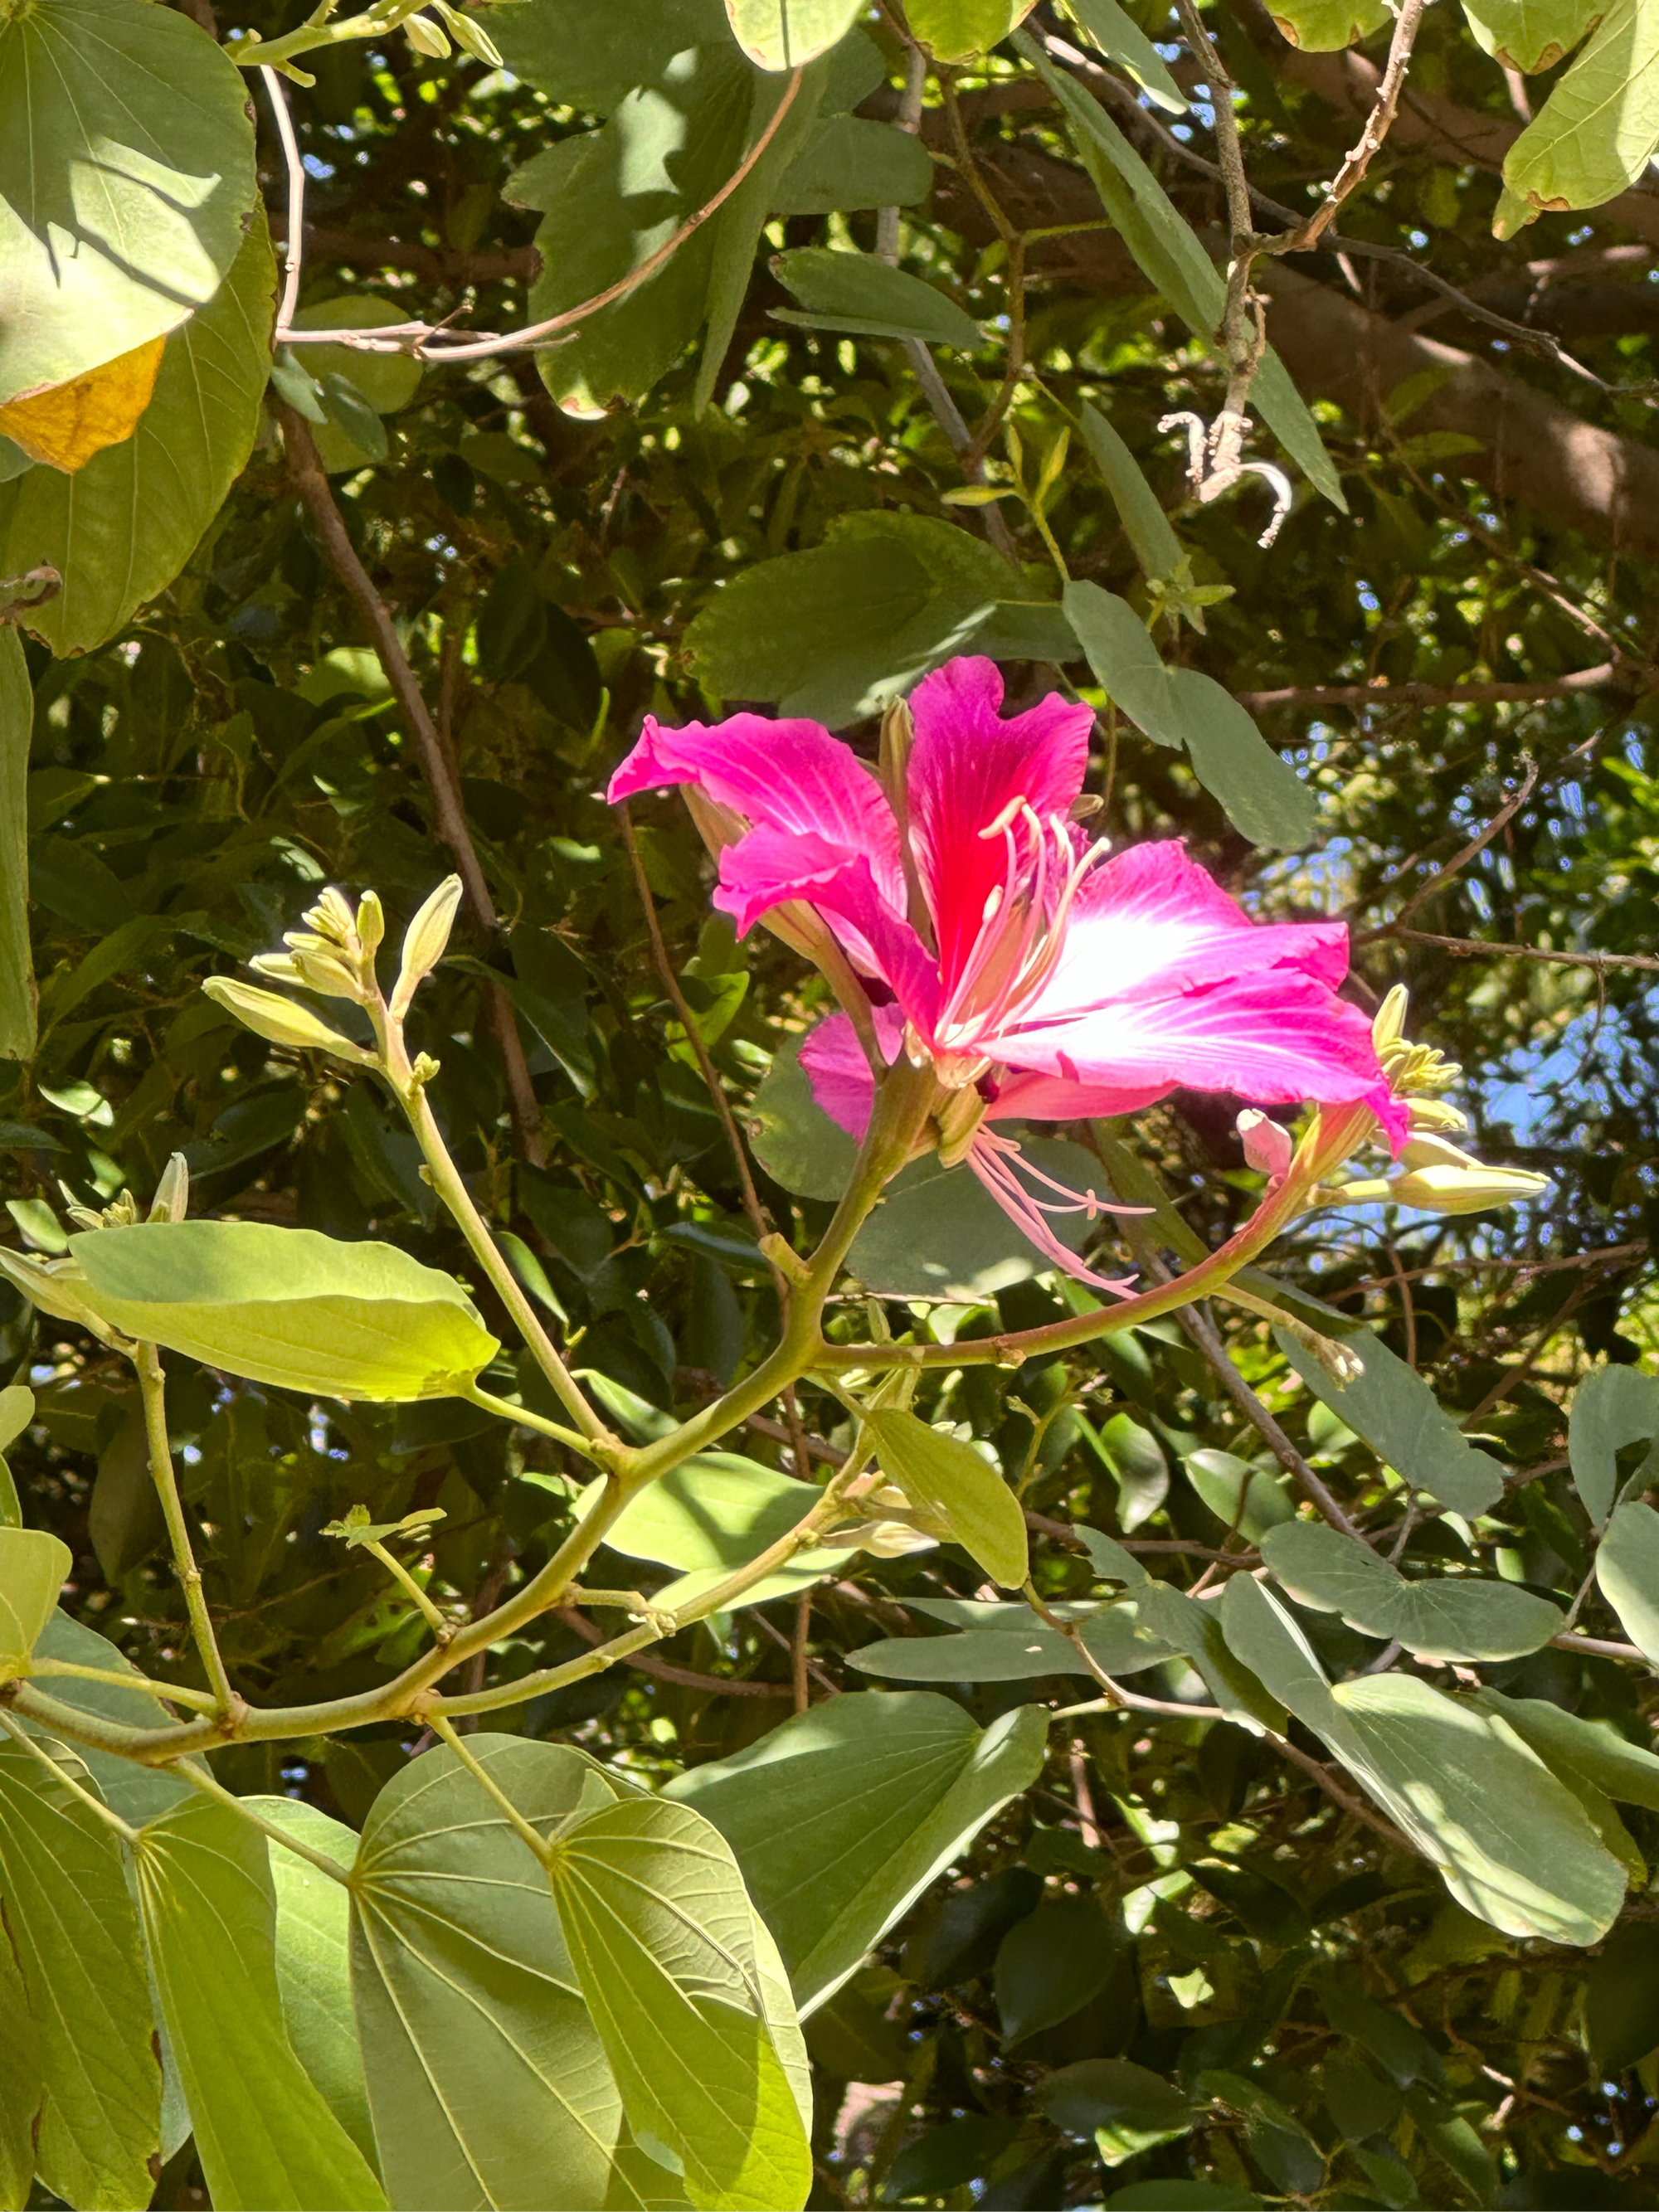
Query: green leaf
pixel 856 292
pixel 1594 135
pixel 487 2079
pixel 126 181
pixel 355 384
pixel 1121 38
pixel 686 1990
pixel 265 2136
pixel 938 1233
pixel 1613 1406
pixel 135 1792
pixel 1196 1631
pixel 835 633
pixel 714 1513
pixel 1147 527
pixel 793 1137
pixel 1321 27
pixel 287 1307
pixel 1394 1410
pixel 957 30
pixel 21 2070
pixel 1530 34
pixel 17 996
pixel 785 35
pixel 1627 1570
pixel 120 530
pixel 1261 793
pixel 841 1818
pixel 1012 1643
pixel 75 1934
pixel 1621 1999
pixel 1253 1499
pixel 1050 1964
pixel 1139 1467
pixel 1437 1617
pixel 1511 1843
pixel 33 1568
pixel 591 58
pixel 1172 260
pixel 847 162
pixel 1593 1751
pixel 313 1962
pixel 614 197
pixel 947 1479
pixel 1112 2093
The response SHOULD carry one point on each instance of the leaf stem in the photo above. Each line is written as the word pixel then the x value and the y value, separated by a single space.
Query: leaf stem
pixel 152 1384
pixel 537 1843
pixel 110 1818
pixel 199 1778
pixel 204 1700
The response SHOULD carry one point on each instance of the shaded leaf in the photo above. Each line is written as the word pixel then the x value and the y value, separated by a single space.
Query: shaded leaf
pixel 1627 1570
pixel 17 997
pixel 1050 1964
pixel 950 1481
pixel 67 423
pixel 265 2136
pixel 856 292
pixel 1512 1844
pixel 938 1233
pixel 486 2078
pixel 685 1989
pixel 841 1818
pixel 1613 1406
pixel 33 1568
pixel 75 1932
pixel 1121 39
pixel 120 532
pixel 126 179
pixel 1393 1408
pixel 1261 793
pixel 1437 1617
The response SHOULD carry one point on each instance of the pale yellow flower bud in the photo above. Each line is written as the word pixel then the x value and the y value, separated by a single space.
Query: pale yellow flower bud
pixel 172 1199
pixel 1390 1024
pixel 424 942
pixel 1441 1179
pixel 281 1021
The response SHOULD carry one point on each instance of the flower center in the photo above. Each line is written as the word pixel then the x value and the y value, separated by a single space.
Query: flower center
pixel 1022 931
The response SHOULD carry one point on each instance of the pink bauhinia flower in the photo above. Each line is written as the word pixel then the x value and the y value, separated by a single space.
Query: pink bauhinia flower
pixel 1045 978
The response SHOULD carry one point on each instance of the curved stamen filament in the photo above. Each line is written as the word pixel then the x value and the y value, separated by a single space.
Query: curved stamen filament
pixel 994 1160
pixel 1021 938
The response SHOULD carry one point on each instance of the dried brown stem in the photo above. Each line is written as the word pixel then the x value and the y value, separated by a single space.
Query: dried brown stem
pixel 1435 695
pixel 1377 122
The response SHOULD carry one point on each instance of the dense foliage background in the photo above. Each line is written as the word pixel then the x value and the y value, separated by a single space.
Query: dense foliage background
pixel 1457 656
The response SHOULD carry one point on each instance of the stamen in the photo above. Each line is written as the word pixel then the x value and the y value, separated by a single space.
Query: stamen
pixel 991 1158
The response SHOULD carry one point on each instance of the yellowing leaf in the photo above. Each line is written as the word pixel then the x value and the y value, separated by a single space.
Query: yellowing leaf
pixel 67 423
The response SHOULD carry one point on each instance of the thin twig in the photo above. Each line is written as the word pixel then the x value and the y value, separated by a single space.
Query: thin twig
pixel 421 339
pixel 1387 105
pixel 1472 948
pixel 1434 695
pixel 296 195
pixel 310 481
pixel 664 1670
pixel 800 1651
pixel 1476 845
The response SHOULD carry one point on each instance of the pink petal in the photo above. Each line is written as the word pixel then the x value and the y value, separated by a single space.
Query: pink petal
pixel 1275 1039
pixel 839 1073
pixel 966 768
pixel 1027 1097
pixel 1150 922
pixel 789 775
pixel 771 867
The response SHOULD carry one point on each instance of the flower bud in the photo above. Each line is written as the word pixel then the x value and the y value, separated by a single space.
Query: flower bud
pixel 424 941
pixel 332 918
pixel 424 35
pixel 1390 1024
pixel 1441 1179
pixel 281 1021
pixel 1267 1143
pixel 172 1199
pixel 1431 1113
pixel 371 923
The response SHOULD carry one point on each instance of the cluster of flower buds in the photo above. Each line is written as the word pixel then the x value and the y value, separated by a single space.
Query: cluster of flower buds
pixel 334 955
pixel 1436 1176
